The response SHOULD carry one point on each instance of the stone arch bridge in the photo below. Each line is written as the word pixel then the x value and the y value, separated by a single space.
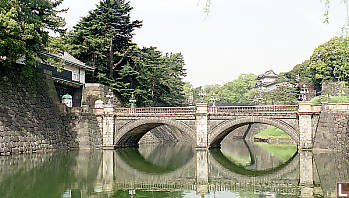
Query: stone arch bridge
pixel 205 126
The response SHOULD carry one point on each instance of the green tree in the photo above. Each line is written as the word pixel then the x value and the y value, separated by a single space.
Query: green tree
pixel 24 30
pixel 103 39
pixel 330 61
pixel 188 90
pixel 159 78
pixel 284 94
pixel 212 91
pixel 238 92
pixel 299 73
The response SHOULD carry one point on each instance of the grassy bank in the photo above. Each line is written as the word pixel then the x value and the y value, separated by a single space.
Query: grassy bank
pixel 273 133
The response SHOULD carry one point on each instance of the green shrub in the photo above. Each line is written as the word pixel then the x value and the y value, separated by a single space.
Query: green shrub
pixel 332 99
pixel 339 99
pixel 319 99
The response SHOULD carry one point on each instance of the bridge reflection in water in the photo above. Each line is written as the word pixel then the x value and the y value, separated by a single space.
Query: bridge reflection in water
pixel 174 170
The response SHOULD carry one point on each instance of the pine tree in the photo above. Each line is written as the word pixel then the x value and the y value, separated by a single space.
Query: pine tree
pixel 24 30
pixel 103 38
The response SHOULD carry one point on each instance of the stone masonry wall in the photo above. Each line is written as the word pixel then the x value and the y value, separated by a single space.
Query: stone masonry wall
pixel 161 134
pixel 29 121
pixel 89 134
pixel 241 131
pixel 330 88
pixel 332 132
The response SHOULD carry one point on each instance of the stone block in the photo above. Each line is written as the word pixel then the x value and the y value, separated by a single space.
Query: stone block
pixel 15 138
pixel 6 149
pixel 14 150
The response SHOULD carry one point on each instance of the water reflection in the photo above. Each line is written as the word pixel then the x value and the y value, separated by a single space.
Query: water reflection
pixel 240 169
pixel 254 159
pixel 158 158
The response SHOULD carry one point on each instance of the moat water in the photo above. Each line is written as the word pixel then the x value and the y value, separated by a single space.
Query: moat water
pixel 238 169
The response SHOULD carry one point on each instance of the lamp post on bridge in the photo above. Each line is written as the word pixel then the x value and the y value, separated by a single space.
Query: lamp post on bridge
pixel 213 99
pixel 202 95
pixel 110 97
pixel 133 101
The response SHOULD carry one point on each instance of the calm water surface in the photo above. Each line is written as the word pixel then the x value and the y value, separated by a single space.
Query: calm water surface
pixel 238 169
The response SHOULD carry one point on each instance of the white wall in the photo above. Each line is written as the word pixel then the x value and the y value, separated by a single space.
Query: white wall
pixel 78 75
pixel 270 88
pixel 82 76
pixel 267 80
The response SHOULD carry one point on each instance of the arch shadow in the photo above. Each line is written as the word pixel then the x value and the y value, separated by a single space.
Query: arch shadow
pixel 130 134
pixel 222 130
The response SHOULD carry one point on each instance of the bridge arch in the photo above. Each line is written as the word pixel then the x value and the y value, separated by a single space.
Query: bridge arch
pixel 222 130
pixel 132 132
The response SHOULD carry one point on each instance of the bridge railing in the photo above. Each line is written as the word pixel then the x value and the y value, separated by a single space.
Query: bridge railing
pixel 231 110
pixel 273 109
pixel 157 110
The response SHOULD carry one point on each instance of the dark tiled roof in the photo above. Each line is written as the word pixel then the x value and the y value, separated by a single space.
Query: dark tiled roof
pixel 269 74
pixel 72 60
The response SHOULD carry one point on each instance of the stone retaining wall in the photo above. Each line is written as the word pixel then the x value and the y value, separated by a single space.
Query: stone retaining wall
pixel 29 120
pixel 88 132
pixel 332 130
pixel 248 131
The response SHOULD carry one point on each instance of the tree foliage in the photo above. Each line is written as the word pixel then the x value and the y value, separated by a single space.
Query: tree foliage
pixel 154 78
pixel 299 73
pixel 236 92
pixel 24 30
pixel 104 39
pixel 284 94
pixel 330 61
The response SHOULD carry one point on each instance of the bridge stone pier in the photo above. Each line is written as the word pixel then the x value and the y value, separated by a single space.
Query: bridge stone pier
pixel 203 125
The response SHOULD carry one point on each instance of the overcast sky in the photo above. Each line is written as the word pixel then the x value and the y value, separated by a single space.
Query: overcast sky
pixel 237 37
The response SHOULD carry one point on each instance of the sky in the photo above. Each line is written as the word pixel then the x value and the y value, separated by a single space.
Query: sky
pixel 236 37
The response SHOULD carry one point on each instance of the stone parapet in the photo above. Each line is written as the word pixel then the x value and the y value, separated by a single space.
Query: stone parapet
pixel 336 107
